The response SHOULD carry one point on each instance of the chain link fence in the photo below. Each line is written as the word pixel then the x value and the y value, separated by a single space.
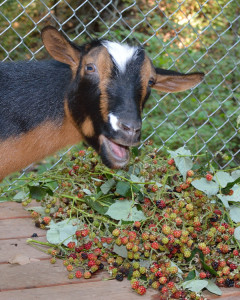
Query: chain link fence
pixel 180 35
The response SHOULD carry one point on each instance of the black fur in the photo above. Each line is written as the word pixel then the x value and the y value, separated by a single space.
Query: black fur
pixel 31 93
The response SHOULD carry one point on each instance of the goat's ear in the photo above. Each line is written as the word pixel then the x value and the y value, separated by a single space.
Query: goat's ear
pixel 59 47
pixel 171 81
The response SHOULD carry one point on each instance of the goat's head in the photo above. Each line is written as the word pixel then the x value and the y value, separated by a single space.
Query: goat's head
pixel 111 83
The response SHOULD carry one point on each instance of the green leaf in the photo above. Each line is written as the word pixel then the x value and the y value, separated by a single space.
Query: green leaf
pixel 134 178
pixel 230 185
pixel 223 178
pixel 62 232
pixel 208 187
pixel 20 196
pixel 106 187
pixel 37 192
pixel 237 233
pixel 191 275
pixel 213 288
pixel 123 188
pixel 100 206
pixel 183 164
pixel 120 250
pixel 235 174
pixel 195 285
pixel 235 213
pixel 123 210
pixel 51 185
pixel 235 197
pixel 87 192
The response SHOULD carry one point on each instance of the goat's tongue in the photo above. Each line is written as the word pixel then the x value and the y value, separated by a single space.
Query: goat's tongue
pixel 119 150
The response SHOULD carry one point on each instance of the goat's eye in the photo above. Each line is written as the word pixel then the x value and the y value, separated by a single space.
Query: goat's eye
pixel 151 82
pixel 90 68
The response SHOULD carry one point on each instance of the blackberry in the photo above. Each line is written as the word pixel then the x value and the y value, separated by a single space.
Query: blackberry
pixel 229 282
pixel 215 265
pixel 119 277
pixel 115 264
pixel 150 282
pixel 160 204
pixel 124 271
pixel 73 255
pixel 34 235
pixel 84 255
pixel 208 275
pixel 101 266
pixel 214 219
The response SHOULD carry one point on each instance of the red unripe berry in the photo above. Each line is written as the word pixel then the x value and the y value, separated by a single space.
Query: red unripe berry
pixel 235 252
pixel 190 173
pixel 81 153
pixel 137 224
pixel 87 275
pixel 163 280
pixel 85 232
pixel 170 284
pixel 78 274
pixel 170 161
pixel 71 245
pixel 164 290
pixel 141 290
pixel 202 275
pixel 209 177
pixel 46 220
pixel 116 232
pixel 135 284
pixel 155 245
pixel 154 188
pixel 69 268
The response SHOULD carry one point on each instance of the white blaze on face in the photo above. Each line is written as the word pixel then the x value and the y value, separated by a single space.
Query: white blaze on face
pixel 113 121
pixel 120 53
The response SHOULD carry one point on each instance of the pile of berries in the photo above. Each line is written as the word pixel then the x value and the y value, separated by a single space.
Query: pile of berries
pixel 183 230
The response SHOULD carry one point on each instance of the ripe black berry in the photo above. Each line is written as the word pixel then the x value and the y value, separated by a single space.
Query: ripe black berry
pixel 229 282
pixel 215 265
pixel 84 255
pixel 161 204
pixel 119 277
pixel 214 219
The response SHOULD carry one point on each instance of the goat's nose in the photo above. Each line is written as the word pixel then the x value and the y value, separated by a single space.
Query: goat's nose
pixel 129 127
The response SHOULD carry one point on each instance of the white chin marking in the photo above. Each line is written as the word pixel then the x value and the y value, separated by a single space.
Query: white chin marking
pixel 121 53
pixel 113 121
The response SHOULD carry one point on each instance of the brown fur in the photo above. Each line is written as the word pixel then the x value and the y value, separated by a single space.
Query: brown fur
pixel 87 128
pixel 147 72
pixel 18 152
pixel 101 58
pixel 105 67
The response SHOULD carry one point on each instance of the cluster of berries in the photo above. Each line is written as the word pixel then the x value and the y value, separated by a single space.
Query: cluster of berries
pixel 182 227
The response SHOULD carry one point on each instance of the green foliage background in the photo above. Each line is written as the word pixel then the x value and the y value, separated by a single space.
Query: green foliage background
pixel 182 35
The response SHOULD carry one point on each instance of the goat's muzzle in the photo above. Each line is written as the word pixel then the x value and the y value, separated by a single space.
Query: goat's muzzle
pixel 115 153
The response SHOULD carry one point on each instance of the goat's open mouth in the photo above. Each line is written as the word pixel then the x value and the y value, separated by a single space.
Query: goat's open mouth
pixel 115 155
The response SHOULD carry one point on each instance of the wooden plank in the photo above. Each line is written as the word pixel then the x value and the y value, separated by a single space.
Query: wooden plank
pixel 12 247
pixel 86 290
pixel 12 210
pixel 35 274
pixel 18 228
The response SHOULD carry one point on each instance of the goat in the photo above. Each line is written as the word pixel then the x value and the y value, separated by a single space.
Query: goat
pixel 93 92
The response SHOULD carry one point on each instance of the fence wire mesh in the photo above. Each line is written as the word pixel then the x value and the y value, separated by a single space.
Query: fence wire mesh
pixel 180 35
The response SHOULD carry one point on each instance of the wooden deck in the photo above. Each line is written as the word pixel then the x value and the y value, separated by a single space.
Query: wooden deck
pixel 41 280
